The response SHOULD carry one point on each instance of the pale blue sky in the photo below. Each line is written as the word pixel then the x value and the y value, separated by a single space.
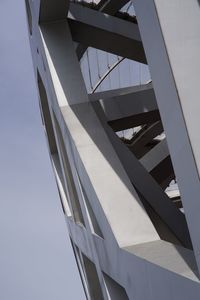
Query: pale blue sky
pixel 36 260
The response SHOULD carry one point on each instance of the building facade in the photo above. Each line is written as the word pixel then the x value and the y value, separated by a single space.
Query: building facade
pixel 124 144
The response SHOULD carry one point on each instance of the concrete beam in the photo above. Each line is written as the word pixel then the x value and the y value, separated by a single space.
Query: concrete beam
pixel 135 120
pixel 101 31
pixel 131 109
pixel 130 104
pixel 109 7
pixel 153 193
pixel 176 75
pixel 51 10
pixel 164 172
pixel 155 156
pixel 138 145
pixel 119 92
pixel 158 163
pixel 147 186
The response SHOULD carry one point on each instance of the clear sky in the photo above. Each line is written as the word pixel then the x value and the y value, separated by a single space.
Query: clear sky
pixel 36 259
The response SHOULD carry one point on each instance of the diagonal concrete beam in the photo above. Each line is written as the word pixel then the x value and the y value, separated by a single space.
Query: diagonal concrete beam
pixel 158 163
pixel 152 193
pixel 138 144
pixel 101 31
pixel 147 187
pixel 155 156
pixel 51 10
pixel 164 173
pixel 109 7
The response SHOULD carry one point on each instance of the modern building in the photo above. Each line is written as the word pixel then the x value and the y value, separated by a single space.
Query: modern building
pixel 124 144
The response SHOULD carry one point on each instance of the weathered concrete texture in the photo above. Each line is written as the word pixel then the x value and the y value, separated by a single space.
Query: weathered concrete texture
pixel 130 239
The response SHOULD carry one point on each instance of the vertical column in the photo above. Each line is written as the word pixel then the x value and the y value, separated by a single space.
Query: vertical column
pixel 170 31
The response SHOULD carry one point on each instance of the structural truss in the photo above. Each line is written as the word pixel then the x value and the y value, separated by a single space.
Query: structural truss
pixel 126 155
